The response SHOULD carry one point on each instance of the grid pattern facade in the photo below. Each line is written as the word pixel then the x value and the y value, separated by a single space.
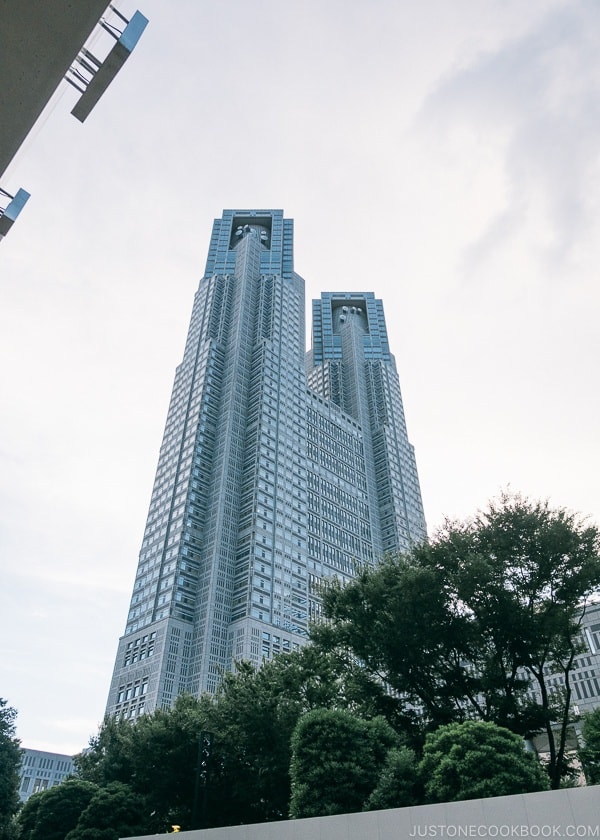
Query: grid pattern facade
pixel 585 676
pixel 351 366
pixel 276 469
pixel 42 770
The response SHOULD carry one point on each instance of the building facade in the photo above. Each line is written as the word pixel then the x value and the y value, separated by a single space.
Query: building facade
pixel 585 676
pixel 277 469
pixel 42 770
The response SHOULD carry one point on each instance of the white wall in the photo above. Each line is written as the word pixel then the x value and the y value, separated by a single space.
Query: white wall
pixel 553 814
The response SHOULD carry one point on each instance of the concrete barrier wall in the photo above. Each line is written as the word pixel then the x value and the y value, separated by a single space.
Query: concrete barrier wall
pixel 573 813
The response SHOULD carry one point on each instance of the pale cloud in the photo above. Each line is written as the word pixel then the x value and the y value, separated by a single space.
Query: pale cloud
pixel 536 101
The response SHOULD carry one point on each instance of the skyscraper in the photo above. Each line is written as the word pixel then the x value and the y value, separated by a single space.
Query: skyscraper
pixel 277 468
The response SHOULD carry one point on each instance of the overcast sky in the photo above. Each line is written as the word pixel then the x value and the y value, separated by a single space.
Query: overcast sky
pixel 443 154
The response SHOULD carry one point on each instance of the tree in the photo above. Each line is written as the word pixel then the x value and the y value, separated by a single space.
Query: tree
pixel 50 814
pixel 590 752
pixel 477 759
pixel 80 810
pixel 10 762
pixel 468 622
pixel 399 784
pixel 251 719
pixel 109 755
pixel 535 571
pixel 399 622
pixel 336 761
pixel 155 757
pixel 114 811
pixel 253 716
pixel 27 816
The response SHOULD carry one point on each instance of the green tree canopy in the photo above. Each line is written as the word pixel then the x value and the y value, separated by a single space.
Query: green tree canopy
pixel 477 759
pixel 10 762
pixel 155 757
pixel 399 783
pixel 336 761
pixel 50 814
pixel 109 755
pixel 27 816
pixel 469 621
pixel 251 719
pixel 113 811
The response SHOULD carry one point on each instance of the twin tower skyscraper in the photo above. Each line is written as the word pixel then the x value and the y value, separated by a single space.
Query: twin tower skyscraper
pixel 278 468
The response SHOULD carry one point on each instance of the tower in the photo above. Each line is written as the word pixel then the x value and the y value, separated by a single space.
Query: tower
pixel 277 468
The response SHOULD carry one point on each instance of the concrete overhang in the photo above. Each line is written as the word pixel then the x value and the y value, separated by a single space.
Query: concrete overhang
pixel 39 40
